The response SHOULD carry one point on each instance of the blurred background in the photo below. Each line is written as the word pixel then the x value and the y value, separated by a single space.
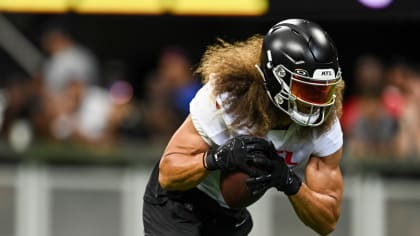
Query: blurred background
pixel 91 90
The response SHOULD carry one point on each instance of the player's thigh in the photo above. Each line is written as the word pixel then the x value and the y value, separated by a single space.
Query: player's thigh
pixel 169 219
pixel 237 224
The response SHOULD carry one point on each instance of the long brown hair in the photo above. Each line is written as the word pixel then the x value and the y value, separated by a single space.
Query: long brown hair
pixel 233 66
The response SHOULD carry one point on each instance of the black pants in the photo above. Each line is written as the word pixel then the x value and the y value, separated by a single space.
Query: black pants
pixel 194 218
pixel 189 213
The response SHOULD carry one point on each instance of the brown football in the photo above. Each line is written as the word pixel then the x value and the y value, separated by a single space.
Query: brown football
pixel 235 191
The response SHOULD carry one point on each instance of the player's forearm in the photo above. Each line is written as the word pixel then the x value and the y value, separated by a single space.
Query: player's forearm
pixel 180 171
pixel 318 211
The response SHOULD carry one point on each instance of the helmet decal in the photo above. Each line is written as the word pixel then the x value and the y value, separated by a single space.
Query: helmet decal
pixel 301 72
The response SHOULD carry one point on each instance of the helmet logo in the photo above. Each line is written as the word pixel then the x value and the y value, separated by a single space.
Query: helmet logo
pixel 301 72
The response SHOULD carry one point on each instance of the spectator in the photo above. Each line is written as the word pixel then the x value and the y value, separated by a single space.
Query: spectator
pixel 19 111
pixel 368 78
pixel 76 107
pixel 169 89
pixel 15 101
pixel 369 127
pixel 68 61
pixel 404 94
pixel 126 118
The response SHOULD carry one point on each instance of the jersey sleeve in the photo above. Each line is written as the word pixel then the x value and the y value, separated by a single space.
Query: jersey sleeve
pixel 329 142
pixel 207 116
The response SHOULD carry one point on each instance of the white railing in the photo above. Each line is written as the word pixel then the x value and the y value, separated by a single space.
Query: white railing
pixel 78 201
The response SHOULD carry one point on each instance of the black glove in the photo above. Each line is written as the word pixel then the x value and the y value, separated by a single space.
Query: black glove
pixel 280 176
pixel 238 153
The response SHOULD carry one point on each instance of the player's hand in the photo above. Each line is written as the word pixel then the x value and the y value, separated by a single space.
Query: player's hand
pixel 238 153
pixel 279 176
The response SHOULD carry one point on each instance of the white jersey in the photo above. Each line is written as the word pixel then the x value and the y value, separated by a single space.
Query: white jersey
pixel 214 126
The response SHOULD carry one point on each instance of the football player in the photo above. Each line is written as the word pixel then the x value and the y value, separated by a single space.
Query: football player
pixel 280 94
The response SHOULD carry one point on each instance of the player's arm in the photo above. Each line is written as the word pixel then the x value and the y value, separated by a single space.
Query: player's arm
pixel 187 157
pixel 181 166
pixel 318 201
